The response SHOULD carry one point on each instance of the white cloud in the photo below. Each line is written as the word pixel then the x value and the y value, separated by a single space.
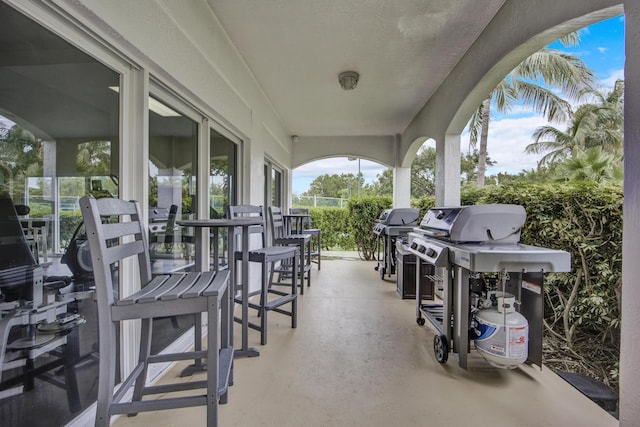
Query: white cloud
pixel 507 140
pixel 602 49
pixel 613 76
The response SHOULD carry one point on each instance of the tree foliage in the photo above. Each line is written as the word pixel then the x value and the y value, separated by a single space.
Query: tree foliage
pixel 592 124
pixel 363 212
pixel 344 185
pixel 382 186
pixel 21 156
pixel 591 165
pixel 533 83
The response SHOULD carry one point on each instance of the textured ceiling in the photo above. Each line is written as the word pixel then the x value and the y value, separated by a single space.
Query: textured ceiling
pixel 402 49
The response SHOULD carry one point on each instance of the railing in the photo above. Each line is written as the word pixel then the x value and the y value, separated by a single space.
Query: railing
pixel 318 201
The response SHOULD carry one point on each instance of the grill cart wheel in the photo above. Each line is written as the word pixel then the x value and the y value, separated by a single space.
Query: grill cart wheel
pixel 420 321
pixel 441 348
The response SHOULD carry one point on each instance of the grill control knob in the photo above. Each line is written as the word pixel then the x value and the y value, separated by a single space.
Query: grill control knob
pixel 414 245
pixel 440 214
pixel 422 249
pixel 431 253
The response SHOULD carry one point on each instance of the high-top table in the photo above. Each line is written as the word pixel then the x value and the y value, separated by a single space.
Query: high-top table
pixel 201 227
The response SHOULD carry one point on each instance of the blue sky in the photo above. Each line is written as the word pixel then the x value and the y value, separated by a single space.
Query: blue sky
pixel 601 48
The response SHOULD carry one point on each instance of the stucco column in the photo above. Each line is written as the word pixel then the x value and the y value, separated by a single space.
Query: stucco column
pixel 630 347
pixel 253 173
pixel 133 183
pixel 448 170
pixel 401 187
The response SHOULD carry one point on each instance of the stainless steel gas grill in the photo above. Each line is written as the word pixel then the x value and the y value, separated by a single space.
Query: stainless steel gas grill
pixel 391 224
pixel 493 285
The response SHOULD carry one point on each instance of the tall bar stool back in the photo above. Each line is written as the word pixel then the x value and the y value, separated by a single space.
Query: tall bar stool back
pixel 280 236
pixel 316 254
pixel 270 298
pixel 110 243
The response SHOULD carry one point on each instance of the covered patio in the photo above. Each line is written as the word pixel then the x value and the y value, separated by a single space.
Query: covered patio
pixel 358 358
pixel 252 88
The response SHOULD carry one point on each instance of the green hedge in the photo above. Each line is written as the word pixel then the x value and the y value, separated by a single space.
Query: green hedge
pixel 350 228
pixel 334 223
pixel 363 213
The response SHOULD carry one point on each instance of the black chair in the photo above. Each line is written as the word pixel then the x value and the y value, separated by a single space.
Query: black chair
pixel 34 318
pixel 268 257
pixel 280 236
pixel 316 255
pixel 165 295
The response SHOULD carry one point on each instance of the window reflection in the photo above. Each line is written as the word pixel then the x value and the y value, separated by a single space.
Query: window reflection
pixel 222 175
pixel 59 141
pixel 222 188
pixel 173 144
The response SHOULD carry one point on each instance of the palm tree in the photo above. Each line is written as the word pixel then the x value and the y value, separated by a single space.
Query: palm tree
pixel 592 125
pixel 532 83
pixel 593 165
pixel 608 130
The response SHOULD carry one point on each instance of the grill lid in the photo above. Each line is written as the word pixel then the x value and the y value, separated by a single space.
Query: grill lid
pixel 399 216
pixel 475 223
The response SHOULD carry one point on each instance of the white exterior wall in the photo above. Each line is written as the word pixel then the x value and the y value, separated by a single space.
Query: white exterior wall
pixel 401 187
pixel 381 149
pixel 187 49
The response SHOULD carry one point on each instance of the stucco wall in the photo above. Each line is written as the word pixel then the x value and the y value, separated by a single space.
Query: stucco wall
pixel 187 49
pixel 381 149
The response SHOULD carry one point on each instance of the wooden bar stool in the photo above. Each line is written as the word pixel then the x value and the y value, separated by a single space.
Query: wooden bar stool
pixel 166 295
pixel 268 256
pixel 316 255
pixel 281 236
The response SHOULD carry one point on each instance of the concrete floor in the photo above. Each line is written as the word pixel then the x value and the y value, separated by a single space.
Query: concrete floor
pixel 358 358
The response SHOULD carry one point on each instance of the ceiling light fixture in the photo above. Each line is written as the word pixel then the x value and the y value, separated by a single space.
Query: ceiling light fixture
pixel 348 79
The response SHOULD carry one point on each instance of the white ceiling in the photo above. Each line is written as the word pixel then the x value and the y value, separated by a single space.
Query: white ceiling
pixel 402 49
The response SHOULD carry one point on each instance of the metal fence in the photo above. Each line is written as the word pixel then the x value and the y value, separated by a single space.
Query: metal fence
pixel 317 201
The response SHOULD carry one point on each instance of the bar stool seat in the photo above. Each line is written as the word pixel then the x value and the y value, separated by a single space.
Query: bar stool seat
pixel 280 236
pixel 268 256
pixel 162 296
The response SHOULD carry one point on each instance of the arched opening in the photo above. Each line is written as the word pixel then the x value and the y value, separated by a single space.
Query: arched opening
pixel 333 181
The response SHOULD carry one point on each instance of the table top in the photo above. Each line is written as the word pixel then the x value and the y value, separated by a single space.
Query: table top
pixel 219 222
pixel 296 215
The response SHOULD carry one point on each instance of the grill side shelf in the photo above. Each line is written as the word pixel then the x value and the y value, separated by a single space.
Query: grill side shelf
pixel 435 314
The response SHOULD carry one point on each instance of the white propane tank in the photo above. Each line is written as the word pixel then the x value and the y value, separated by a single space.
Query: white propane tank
pixel 502 333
